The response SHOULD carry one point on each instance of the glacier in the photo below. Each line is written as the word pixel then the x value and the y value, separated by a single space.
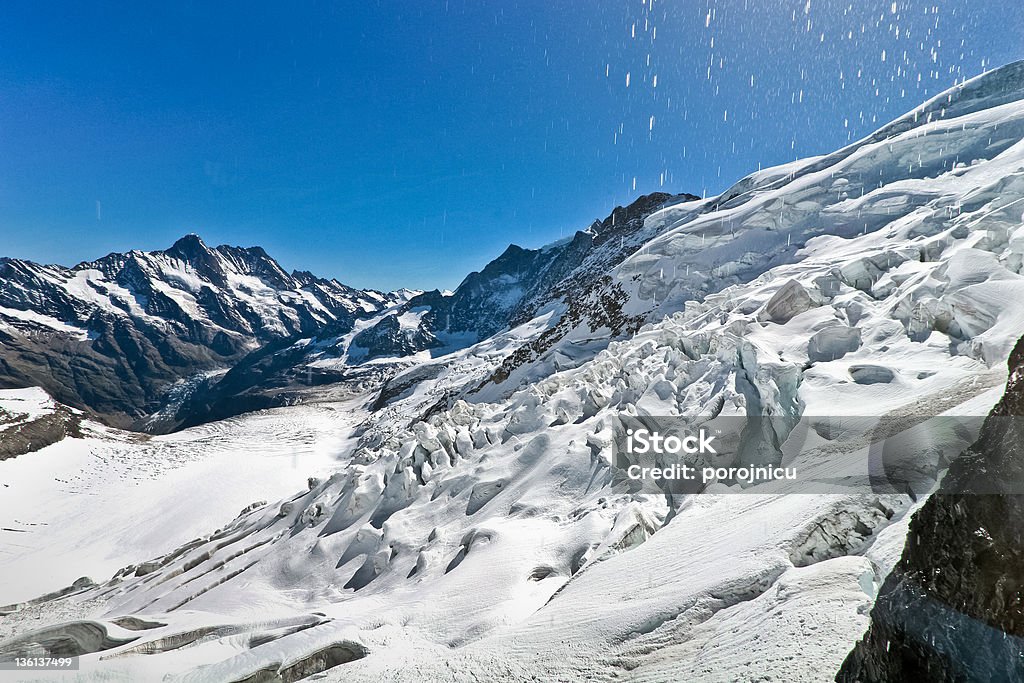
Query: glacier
pixel 473 525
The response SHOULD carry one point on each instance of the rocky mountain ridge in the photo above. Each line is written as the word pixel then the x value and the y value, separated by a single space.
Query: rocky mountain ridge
pixel 508 292
pixel 520 283
pixel 115 334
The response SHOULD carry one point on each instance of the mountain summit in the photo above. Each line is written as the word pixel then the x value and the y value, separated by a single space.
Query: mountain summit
pixel 113 335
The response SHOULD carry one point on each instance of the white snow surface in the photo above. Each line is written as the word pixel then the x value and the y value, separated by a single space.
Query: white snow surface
pixel 14 319
pixel 24 405
pixel 116 498
pixel 492 540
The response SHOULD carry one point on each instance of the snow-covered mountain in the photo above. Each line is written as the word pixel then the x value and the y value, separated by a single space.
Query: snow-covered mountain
pixel 519 284
pixel 115 335
pixel 487 307
pixel 467 521
pixel 144 339
pixel 875 217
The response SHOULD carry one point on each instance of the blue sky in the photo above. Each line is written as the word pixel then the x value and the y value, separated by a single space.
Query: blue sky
pixel 406 143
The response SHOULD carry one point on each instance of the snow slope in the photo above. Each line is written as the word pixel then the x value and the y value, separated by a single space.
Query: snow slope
pixel 493 540
pixel 109 498
pixel 882 217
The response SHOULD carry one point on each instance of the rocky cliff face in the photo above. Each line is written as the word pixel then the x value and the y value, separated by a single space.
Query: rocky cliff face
pixel 113 335
pixel 953 608
pixel 518 284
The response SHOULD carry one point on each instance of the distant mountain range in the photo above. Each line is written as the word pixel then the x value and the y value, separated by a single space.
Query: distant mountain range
pixel 157 340
pixel 115 335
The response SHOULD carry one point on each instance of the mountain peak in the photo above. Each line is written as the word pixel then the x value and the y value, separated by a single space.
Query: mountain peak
pixel 190 239
pixel 191 245
pixel 256 261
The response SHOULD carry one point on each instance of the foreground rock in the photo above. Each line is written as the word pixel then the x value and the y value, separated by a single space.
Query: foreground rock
pixel 953 608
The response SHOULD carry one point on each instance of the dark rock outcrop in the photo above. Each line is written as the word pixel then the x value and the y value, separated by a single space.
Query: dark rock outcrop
pixel 953 608
pixel 31 435
pixel 390 338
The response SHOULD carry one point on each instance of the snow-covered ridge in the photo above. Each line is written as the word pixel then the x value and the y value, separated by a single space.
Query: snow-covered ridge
pixel 986 91
pixel 520 284
pixel 163 286
pixel 915 189
pixel 124 328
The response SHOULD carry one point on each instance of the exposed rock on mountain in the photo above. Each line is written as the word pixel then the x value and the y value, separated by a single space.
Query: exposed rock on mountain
pixel 953 608
pixel 390 337
pixel 31 420
pixel 517 285
pixel 114 335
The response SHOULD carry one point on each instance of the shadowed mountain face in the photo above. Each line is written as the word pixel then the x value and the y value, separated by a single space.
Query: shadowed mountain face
pixel 114 335
pixel 520 283
pixel 953 608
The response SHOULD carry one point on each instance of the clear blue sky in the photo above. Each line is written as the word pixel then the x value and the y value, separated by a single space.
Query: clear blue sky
pixel 406 143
